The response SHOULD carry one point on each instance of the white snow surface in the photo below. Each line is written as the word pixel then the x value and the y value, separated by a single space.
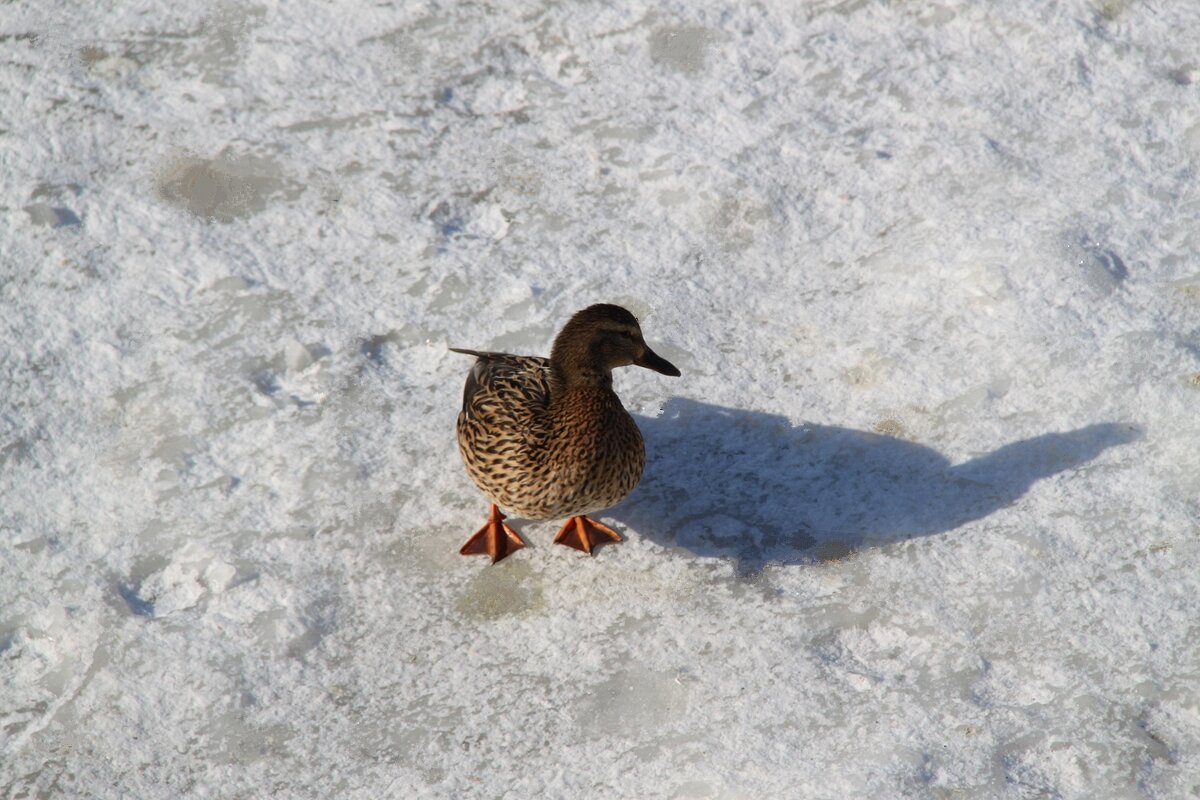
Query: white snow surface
pixel 919 519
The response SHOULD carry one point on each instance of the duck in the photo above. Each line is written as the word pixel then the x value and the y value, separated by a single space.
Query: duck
pixel 547 438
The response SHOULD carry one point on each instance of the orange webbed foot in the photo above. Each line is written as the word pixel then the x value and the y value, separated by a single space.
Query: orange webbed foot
pixel 494 539
pixel 585 534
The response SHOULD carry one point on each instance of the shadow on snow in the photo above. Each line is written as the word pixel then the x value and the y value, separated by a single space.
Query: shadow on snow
pixel 722 482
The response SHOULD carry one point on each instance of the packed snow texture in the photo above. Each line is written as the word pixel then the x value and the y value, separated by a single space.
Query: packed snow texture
pixel 919 519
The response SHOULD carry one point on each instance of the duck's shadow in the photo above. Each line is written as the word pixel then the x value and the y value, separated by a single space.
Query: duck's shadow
pixel 722 482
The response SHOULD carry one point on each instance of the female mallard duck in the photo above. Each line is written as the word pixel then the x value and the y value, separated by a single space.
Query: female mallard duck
pixel 550 438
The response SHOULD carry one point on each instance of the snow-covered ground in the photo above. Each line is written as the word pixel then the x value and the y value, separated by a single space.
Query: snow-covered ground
pixel 920 518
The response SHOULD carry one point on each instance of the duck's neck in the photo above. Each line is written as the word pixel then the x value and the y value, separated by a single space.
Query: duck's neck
pixel 575 363
pixel 564 379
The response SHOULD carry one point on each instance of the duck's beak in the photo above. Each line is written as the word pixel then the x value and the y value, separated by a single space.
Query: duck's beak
pixel 652 360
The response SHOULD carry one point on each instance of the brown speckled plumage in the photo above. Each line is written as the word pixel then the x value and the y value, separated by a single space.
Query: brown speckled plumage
pixel 547 438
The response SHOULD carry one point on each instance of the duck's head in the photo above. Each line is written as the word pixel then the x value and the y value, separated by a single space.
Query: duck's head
pixel 599 339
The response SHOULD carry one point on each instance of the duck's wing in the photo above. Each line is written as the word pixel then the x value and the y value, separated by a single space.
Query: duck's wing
pixel 518 384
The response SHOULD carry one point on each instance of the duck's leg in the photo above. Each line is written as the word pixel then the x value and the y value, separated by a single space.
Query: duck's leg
pixel 494 539
pixel 584 534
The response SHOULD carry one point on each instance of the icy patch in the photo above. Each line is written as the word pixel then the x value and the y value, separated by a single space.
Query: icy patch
pixel 1100 266
pixel 42 214
pixel 226 188
pixel 212 48
pixel 509 590
pixel 635 703
pixel 682 49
